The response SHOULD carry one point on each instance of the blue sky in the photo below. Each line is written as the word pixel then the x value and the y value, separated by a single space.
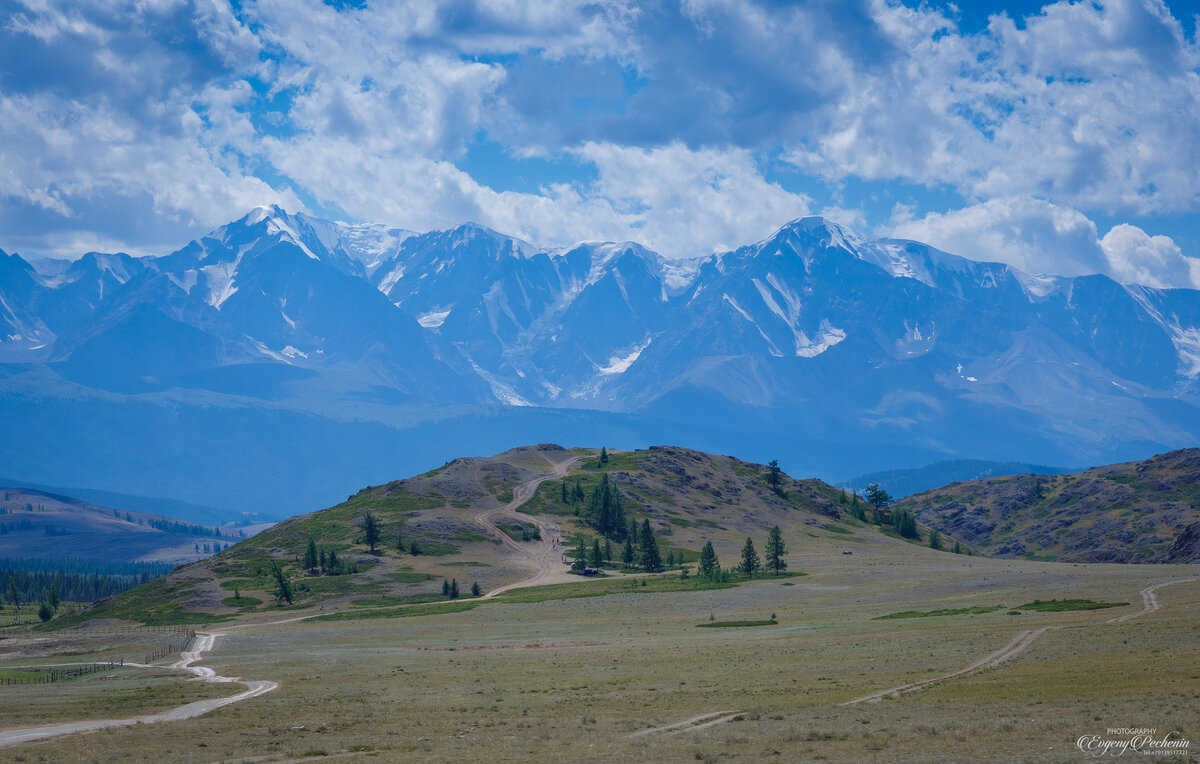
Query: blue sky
pixel 1059 138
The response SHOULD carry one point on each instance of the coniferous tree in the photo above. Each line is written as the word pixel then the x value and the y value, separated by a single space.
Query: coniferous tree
pixel 709 566
pixel 335 565
pixel 608 550
pixel 879 499
pixel 581 552
pixel 52 597
pixel 935 539
pixel 651 560
pixel 475 590
pixel 311 558
pixel 45 612
pixel 370 529
pixel 283 587
pixel 750 561
pixel 905 523
pixel 670 558
pixel 597 559
pixel 14 594
pixel 773 473
pixel 603 455
pixel 627 552
pixel 400 539
pixel 957 548
pixel 414 548
pixel 445 587
pixel 775 551
pixel 578 495
pixel 565 498
pixel 454 588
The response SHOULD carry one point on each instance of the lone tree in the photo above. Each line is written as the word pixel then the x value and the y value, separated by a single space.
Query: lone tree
pixel 475 590
pixel 935 539
pixel 957 548
pixel 651 559
pixel 773 473
pixel 370 529
pixel 312 560
pixel 750 561
pixel 710 567
pixel 283 587
pixel 879 499
pixel 775 551
pixel 603 455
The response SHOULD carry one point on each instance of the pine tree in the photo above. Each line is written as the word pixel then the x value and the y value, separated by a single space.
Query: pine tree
pixel 879 499
pixel 14 594
pixel 627 552
pixel 775 551
pixel 414 548
pixel 597 559
pixel 750 561
pixel 935 539
pixel 708 562
pixel 608 550
pixel 335 565
pixel 475 590
pixel 400 539
pixel 44 612
pixel 773 473
pixel 957 548
pixel 603 455
pixel 651 560
pixel 454 588
pixel 581 552
pixel 445 587
pixel 566 499
pixel 52 597
pixel 283 587
pixel 370 529
pixel 578 495
pixel 311 558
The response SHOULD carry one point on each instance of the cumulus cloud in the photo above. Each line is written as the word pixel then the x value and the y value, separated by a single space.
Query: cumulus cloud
pixel 147 122
pixel 1037 236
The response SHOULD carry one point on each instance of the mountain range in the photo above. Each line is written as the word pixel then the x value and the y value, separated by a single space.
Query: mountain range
pixel 334 354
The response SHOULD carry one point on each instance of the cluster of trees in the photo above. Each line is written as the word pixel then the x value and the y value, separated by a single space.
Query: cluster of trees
pixel 603 511
pixel 640 550
pixel 185 529
pixel 902 520
pixel 325 561
pixel 26 581
pixel 751 563
pixel 206 548
pixel 450 589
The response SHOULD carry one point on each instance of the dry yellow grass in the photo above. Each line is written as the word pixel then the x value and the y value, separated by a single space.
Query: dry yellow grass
pixel 574 679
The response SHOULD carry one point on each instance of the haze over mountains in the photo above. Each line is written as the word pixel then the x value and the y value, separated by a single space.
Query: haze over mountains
pixel 283 360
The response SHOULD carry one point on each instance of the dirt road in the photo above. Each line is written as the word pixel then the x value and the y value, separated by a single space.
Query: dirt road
pixel 204 643
pixel 1017 645
pixel 545 556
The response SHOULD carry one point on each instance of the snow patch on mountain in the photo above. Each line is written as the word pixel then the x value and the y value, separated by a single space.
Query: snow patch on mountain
pixel 620 364
pixel 827 336
pixel 434 318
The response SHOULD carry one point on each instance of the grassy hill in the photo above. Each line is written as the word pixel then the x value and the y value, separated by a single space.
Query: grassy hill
pixel 430 531
pixel 1145 511
pixel 901 483
pixel 39 525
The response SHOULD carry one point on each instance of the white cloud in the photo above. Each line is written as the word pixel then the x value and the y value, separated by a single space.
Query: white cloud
pixel 1040 237
pixel 1136 257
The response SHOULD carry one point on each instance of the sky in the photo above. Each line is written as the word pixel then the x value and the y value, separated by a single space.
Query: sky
pixel 1062 138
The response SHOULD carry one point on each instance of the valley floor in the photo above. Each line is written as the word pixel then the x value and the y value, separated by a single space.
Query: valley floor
pixel 629 676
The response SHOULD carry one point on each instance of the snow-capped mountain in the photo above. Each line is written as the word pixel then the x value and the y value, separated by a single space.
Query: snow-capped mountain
pixel 815 330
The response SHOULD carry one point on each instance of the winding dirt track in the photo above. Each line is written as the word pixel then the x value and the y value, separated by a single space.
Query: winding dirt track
pixel 204 643
pixel 546 555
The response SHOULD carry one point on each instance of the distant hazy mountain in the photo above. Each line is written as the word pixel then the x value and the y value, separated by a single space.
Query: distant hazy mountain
pixel 901 483
pixel 367 344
